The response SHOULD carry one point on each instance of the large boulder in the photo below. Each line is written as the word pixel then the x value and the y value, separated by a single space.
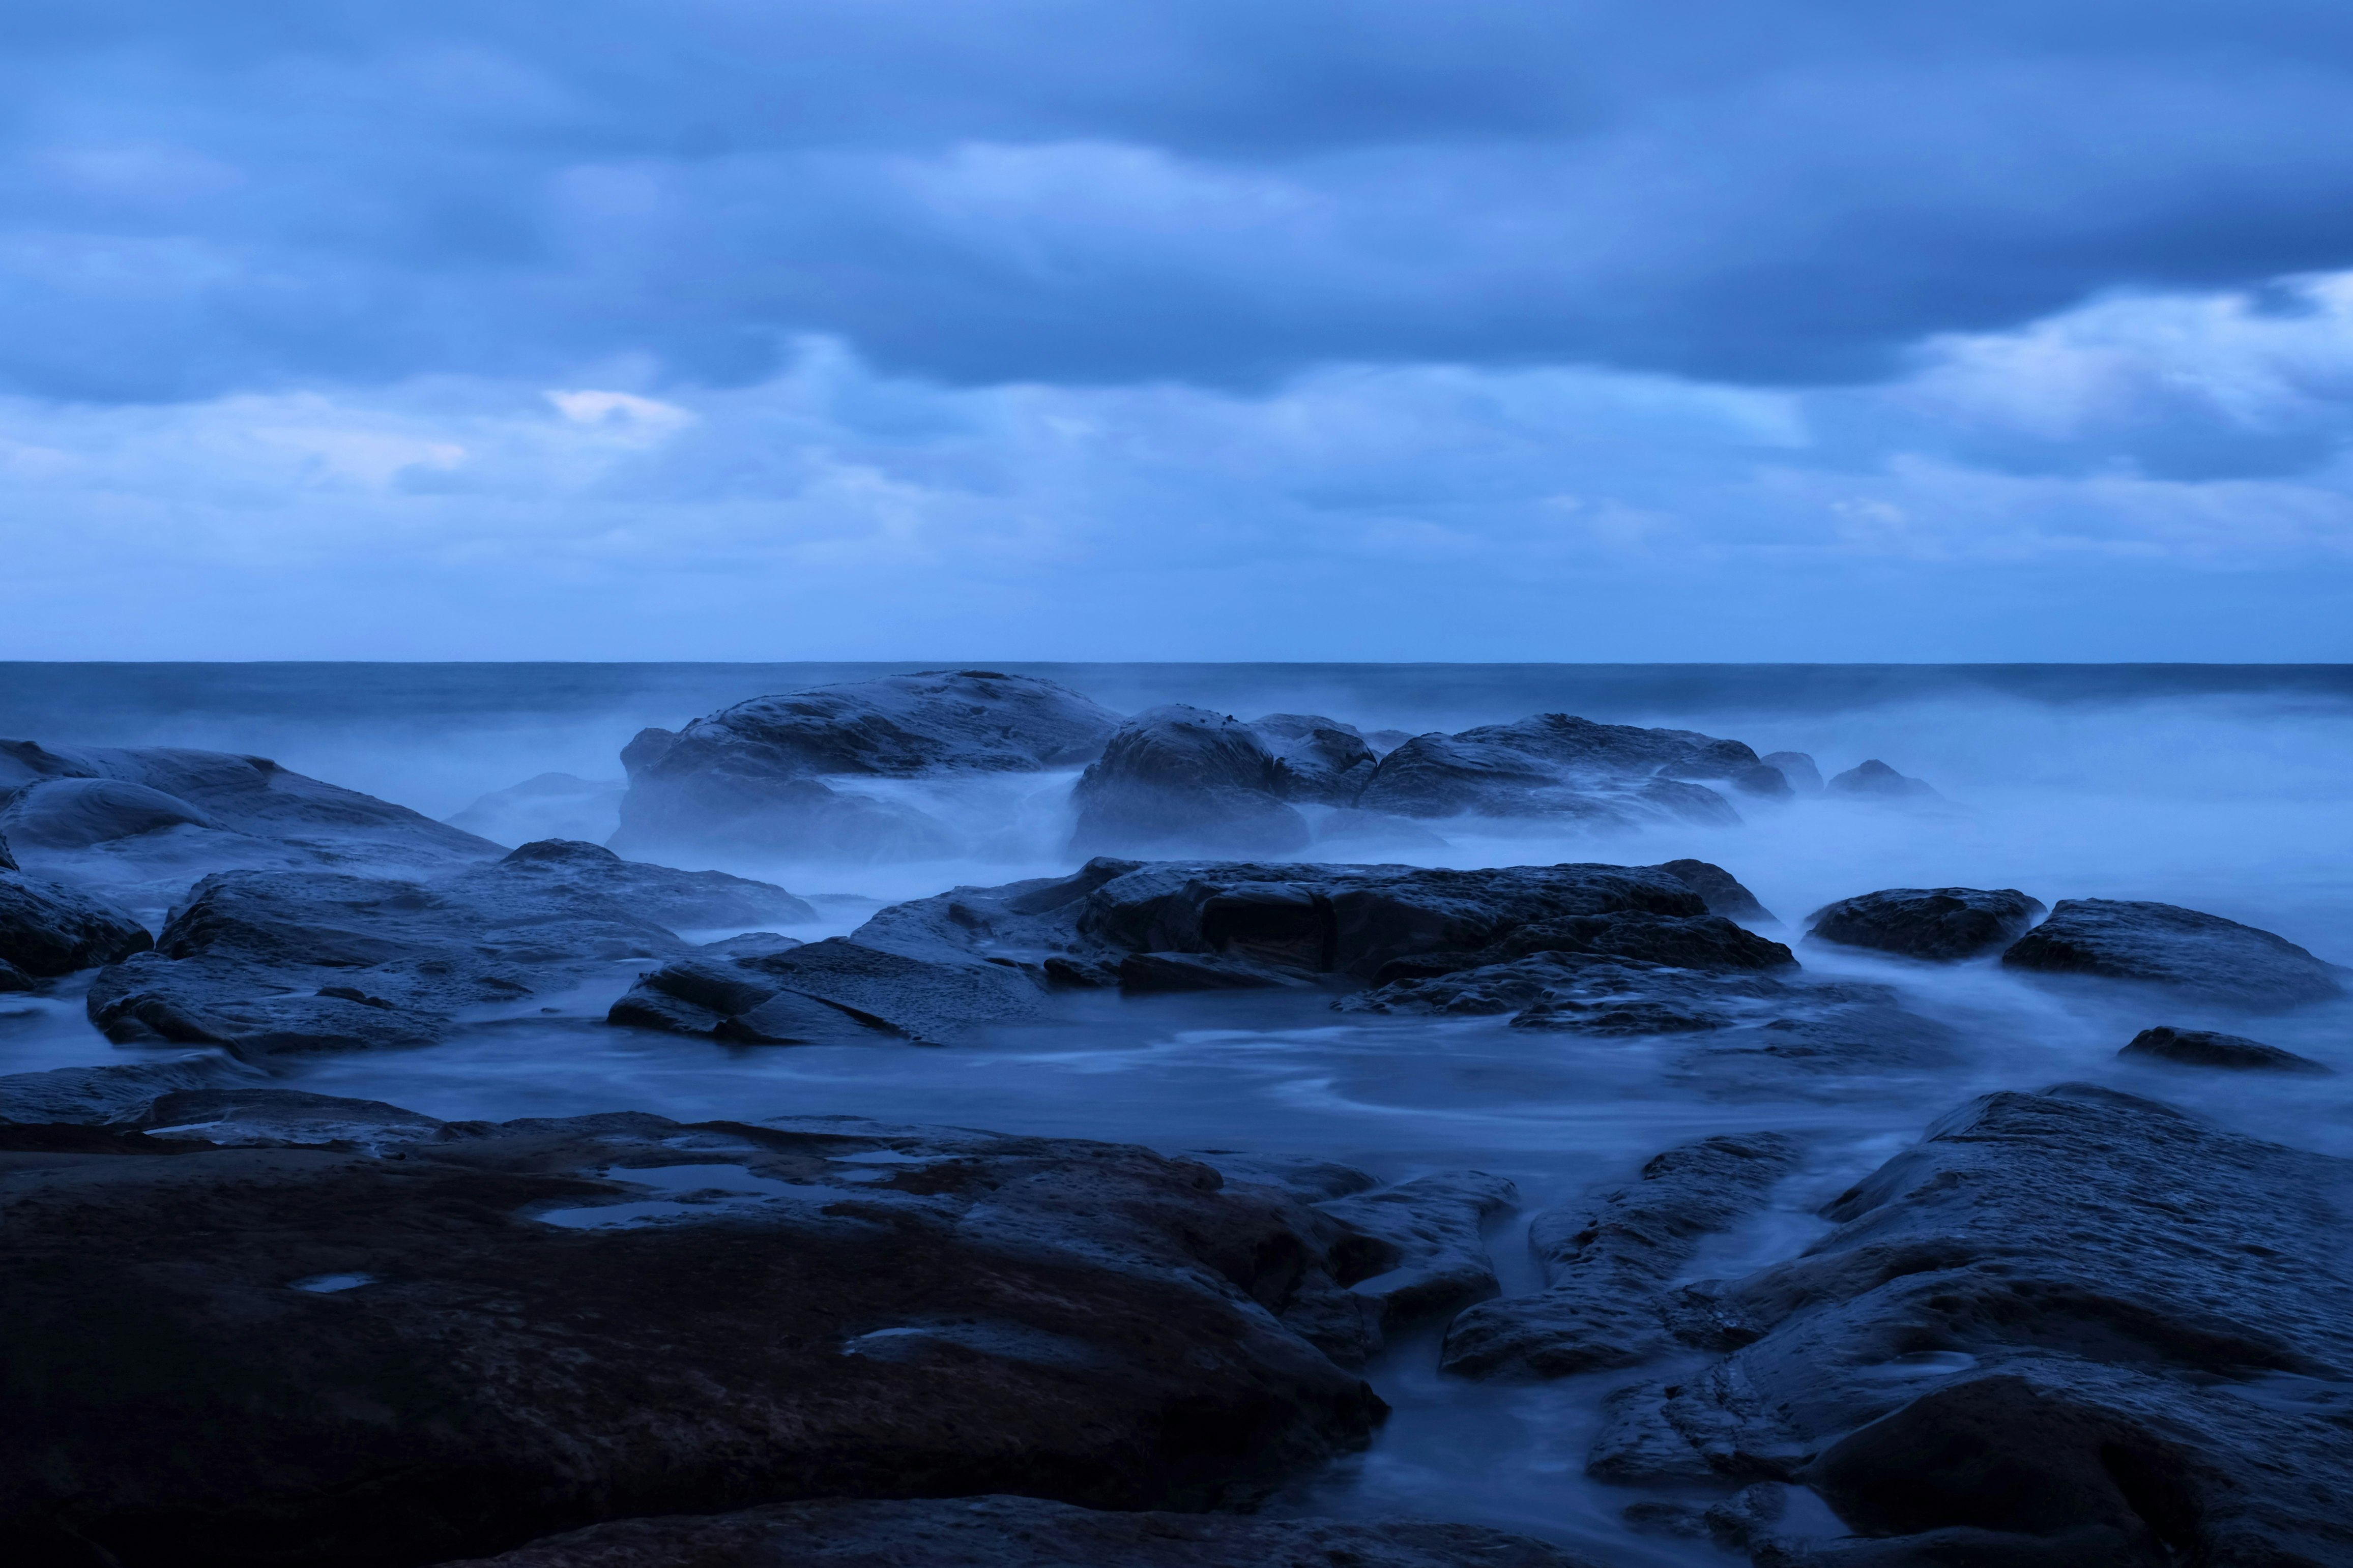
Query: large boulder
pixel 752 778
pixel 2068 1327
pixel 1023 1532
pixel 2210 1048
pixel 1323 761
pixel 1174 779
pixel 342 1332
pixel 48 929
pixel 1342 924
pixel 1610 1262
pixel 1555 765
pixel 1941 923
pixel 2196 954
pixel 683 900
pixel 274 962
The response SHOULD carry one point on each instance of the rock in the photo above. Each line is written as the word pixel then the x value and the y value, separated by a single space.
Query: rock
pixel 549 805
pixel 106 814
pixel 834 992
pixel 751 778
pixel 2205 1048
pixel 2074 1326
pixel 2199 954
pixel 13 979
pixel 48 929
pixel 1941 923
pixel 1610 1264
pixel 8 861
pixel 682 901
pixel 301 1354
pixel 1141 972
pixel 1803 777
pixel 1876 780
pixel 1719 888
pixel 250 1116
pixel 1023 1532
pixel 1321 760
pixel 1437 1260
pixel 116 1094
pixel 1553 765
pixel 274 962
pixel 1179 778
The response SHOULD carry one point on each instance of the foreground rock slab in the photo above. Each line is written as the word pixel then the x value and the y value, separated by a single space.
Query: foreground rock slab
pixel 2071 1327
pixel 1023 1532
pixel 361 1336
pixel 2194 953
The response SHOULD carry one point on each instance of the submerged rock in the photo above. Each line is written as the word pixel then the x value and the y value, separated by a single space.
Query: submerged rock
pixel 2197 953
pixel 48 929
pixel 1178 778
pixel 2074 1326
pixel 1610 1264
pixel 1927 922
pixel 1023 1532
pixel 300 1351
pixel 548 805
pixel 2207 1049
pixel 753 778
pixel 1875 780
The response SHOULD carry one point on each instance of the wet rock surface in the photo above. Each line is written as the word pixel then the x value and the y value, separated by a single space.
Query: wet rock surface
pixel 2210 1048
pixel 1611 1263
pixel 48 929
pixel 1323 760
pixel 1927 922
pixel 2199 954
pixel 836 992
pixel 753 776
pixel 1024 1532
pixel 116 1094
pixel 404 1341
pixel 1176 778
pixel 683 900
pixel 269 964
pixel 2070 1326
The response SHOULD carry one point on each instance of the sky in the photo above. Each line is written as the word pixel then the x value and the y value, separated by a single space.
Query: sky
pixel 1583 330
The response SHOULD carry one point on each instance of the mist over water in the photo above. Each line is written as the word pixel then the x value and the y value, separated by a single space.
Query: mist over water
pixel 2226 791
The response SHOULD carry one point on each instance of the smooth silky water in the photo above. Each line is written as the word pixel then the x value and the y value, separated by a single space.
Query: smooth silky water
pixel 2231 801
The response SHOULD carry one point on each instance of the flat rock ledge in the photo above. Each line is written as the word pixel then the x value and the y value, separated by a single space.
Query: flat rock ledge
pixel 1023 1532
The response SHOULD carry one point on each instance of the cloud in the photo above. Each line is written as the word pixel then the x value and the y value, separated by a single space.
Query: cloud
pixel 1773 192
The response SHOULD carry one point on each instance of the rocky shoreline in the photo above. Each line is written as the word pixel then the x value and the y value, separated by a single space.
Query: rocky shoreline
pixel 250 1324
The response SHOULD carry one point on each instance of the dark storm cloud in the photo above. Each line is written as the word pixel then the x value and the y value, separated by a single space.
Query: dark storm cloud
pixel 203 199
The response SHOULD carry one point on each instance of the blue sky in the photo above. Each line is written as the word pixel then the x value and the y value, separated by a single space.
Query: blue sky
pixel 1584 329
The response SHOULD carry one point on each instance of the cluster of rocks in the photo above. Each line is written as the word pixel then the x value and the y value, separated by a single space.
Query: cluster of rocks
pixel 404 1341
pixel 789 776
pixel 2185 951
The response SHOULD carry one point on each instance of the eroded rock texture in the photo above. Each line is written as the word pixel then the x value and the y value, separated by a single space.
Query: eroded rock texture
pixel 2074 1326
pixel 295 1351
pixel 2197 953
